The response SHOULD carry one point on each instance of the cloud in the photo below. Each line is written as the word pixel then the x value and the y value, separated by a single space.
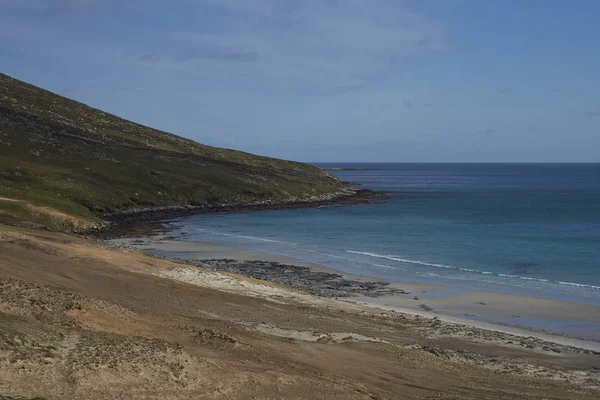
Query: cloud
pixel 31 38
pixel 428 105
pixel 300 46
pixel 506 89
pixel 407 104
pixel 313 44
pixel 150 57
pixel 427 42
pixel 65 6
pixel 490 130
pixel 593 113
pixel 214 53
pixel 43 7
pixel 233 56
pixel 224 55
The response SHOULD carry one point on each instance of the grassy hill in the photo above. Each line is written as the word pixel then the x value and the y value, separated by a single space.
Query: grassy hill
pixel 64 164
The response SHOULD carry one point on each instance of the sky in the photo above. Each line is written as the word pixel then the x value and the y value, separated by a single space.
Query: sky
pixel 328 80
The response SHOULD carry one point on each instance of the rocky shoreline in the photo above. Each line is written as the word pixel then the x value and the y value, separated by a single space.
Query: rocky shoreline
pixel 147 222
pixel 335 286
pixel 76 314
pixel 325 284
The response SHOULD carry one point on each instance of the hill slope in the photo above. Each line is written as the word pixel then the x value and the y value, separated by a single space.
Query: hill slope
pixel 67 164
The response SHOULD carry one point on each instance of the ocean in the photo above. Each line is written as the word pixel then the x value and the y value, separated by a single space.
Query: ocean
pixel 520 228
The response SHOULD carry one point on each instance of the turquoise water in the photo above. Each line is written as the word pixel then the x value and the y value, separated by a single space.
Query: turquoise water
pixel 509 227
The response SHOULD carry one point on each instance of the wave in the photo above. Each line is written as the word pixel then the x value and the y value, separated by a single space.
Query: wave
pixel 263 239
pixel 405 260
pixel 527 278
pixel 245 237
pixel 322 254
pixel 577 284
pixel 388 267
pixel 416 262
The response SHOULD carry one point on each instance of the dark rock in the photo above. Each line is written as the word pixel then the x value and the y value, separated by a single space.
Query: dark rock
pixel 324 284
pixel 150 221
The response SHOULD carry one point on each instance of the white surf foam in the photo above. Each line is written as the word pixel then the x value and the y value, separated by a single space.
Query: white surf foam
pixel 417 262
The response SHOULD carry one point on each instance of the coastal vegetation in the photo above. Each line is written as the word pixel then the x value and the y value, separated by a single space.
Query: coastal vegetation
pixel 63 165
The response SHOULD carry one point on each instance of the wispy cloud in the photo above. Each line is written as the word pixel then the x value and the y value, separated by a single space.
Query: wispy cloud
pixel 315 43
pixel 223 54
pixel 150 57
pixel 306 46
pixel 29 38
pixel 43 7
pixel 407 104
pixel 593 113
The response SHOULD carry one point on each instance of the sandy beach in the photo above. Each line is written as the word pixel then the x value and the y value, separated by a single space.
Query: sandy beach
pixel 76 314
pixel 502 312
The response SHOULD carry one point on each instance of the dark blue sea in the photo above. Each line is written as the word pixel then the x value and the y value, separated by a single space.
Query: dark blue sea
pixel 526 228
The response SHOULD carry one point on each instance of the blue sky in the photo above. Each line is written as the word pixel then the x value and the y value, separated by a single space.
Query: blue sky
pixel 328 80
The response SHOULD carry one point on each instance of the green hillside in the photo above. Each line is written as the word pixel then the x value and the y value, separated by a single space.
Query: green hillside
pixel 64 164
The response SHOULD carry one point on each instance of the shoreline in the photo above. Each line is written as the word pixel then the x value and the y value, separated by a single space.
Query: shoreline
pixel 150 221
pixel 107 312
pixel 424 300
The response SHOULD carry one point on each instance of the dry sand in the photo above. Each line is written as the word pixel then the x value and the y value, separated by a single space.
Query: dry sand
pixel 80 320
pixel 427 300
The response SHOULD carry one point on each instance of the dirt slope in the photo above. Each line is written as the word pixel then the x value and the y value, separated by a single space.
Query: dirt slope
pixel 82 321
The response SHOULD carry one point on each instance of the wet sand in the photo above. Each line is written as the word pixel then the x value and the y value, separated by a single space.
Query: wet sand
pixel 189 251
pixel 84 319
pixel 504 312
